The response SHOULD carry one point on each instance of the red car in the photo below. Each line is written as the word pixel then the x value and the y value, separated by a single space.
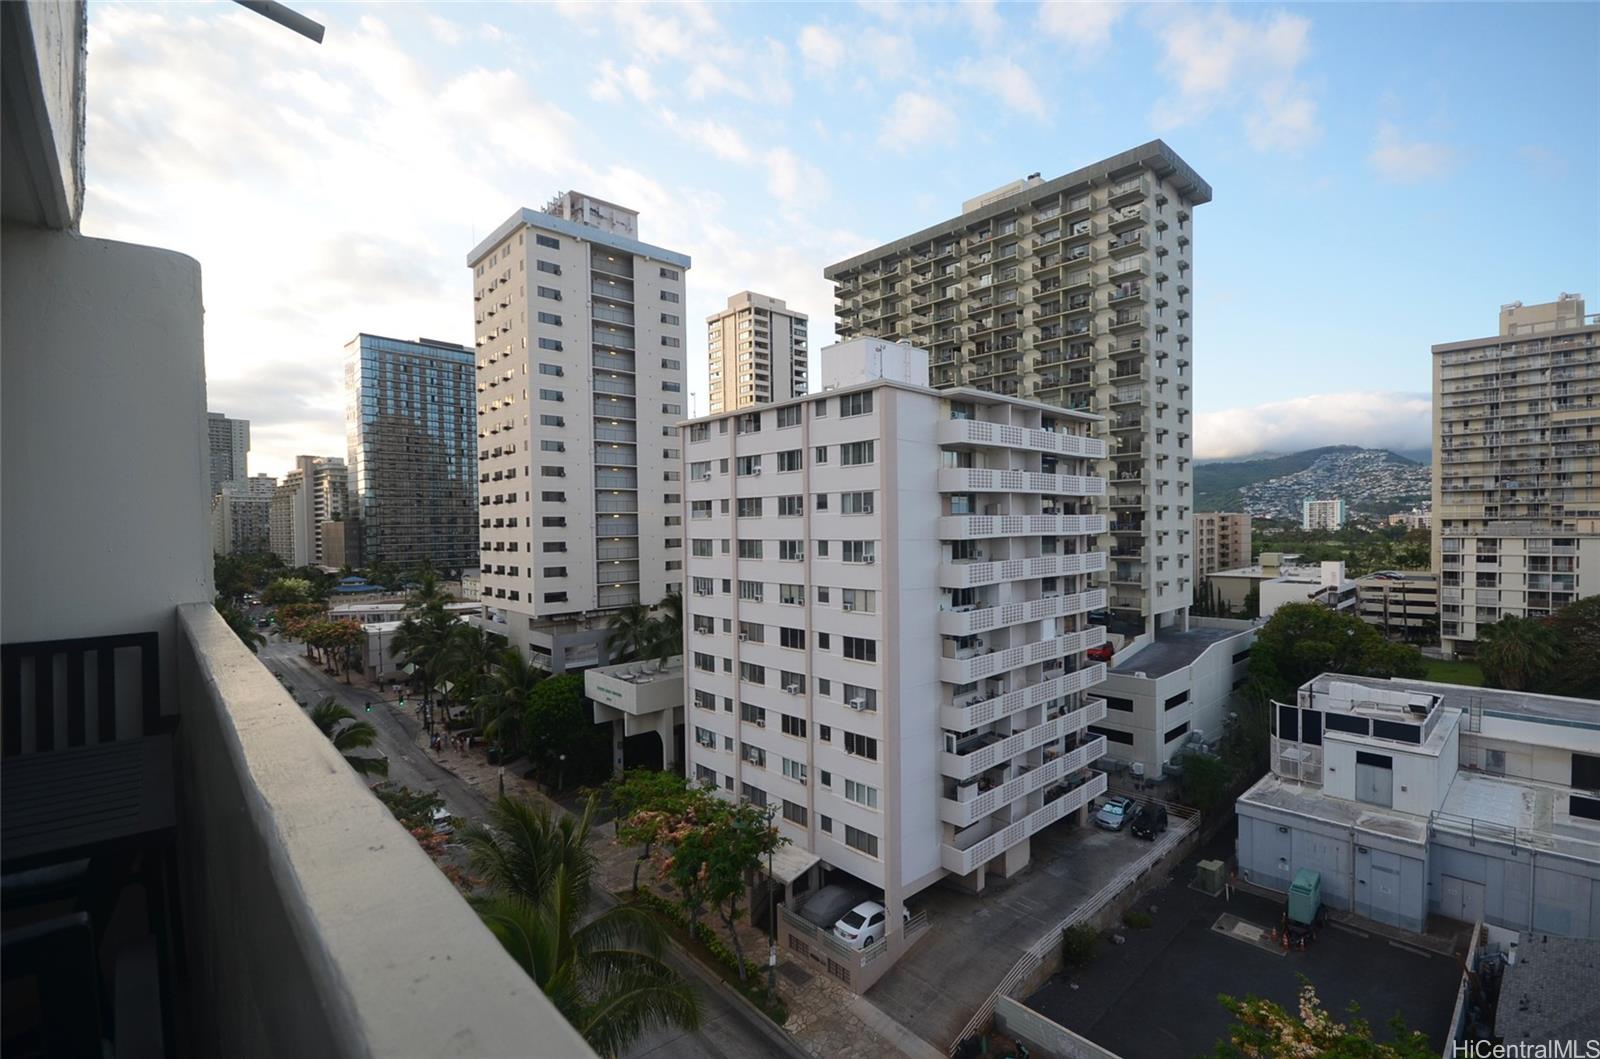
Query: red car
pixel 1102 653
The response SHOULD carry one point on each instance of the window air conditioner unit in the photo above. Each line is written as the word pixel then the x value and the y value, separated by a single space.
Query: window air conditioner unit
pixel 857 704
pixel 870 560
pixel 743 637
pixel 792 689
pixel 755 472
pixel 849 606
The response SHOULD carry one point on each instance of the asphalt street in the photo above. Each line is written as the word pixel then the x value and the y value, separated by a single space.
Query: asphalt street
pixel 727 1030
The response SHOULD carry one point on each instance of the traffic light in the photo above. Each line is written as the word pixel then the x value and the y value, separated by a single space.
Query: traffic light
pixel 369 707
pixel 402 701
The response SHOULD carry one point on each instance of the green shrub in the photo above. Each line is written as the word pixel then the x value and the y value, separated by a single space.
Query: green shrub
pixel 1078 945
pixel 1134 919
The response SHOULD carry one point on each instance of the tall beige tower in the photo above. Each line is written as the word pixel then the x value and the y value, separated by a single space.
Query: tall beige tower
pixel 579 347
pixel 1076 292
pixel 1516 505
pixel 758 352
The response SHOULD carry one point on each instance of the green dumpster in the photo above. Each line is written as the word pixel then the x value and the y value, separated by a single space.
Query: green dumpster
pixel 1305 897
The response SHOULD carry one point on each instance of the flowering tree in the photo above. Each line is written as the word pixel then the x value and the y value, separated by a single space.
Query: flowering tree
pixel 1265 1030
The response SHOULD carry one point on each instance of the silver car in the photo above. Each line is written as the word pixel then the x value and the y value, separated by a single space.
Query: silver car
pixel 1114 814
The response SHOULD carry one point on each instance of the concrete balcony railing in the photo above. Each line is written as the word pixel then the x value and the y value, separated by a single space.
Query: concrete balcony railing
pixel 977 667
pixel 966 861
pixel 965 813
pixel 974 527
pixel 982 619
pixel 984 480
pixel 975 575
pixel 316 924
pixel 972 713
pixel 964 766
pixel 1000 435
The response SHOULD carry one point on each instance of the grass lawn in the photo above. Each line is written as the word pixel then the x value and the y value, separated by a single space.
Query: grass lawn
pixel 1456 672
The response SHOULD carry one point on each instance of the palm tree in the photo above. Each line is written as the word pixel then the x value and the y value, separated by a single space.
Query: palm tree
pixel 1516 653
pixel 604 973
pixel 241 624
pixel 330 718
pixel 465 658
pixel 427 591
pixel 668 630
pixel 632 632
pixel 502 705
pixel 419 640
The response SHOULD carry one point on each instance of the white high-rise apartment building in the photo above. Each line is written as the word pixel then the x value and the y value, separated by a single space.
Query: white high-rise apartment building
pixel 1075 291
pixel 1322 514
pixel 758 350
pixel 888 590
pixel 579 345
pixel 317 490
pixel 241 515
pixel 229 441
pixel 1221 541
pixel 1516 454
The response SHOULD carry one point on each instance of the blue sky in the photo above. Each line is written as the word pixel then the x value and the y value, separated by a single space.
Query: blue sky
pixel 1385 176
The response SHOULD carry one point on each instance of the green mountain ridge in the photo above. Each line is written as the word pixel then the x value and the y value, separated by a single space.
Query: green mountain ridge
pixel 1217 483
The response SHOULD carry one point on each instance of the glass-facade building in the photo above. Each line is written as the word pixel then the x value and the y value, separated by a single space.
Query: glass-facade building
pixel 411 426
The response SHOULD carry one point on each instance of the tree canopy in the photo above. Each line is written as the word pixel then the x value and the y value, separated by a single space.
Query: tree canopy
pixel 1265 1030
pixel 1303 640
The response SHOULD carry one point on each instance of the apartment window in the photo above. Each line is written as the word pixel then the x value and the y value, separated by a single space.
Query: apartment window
pixel 795 814
pixel 552 446
pixel 860 793
pixel 750 591
pixel 704 662
pixel 550 267
pixel 702 586
pixel 752 673
pixel 855 404
pixel 755 756
pixel 554 521
pixel 793 638
pixel 750 549
pixel 700 432
pixel 859 698
pixel 791 506
pixel 555 571
pixel 551 395
pixel 819 454
pixel 749 423
pixel 555 597
pixel 548 292
pixel 825 734
pixel 552 421
pixel 859 551
pixel 704 776
pixel 822 501
pixel 861 746
pixel 789 416
pixel 860 649
pixel 705 624
pixel 552 497
pixel 793 595
pixel 825 824
pixel 705 737
pixel 855 453
pixel 795 726
pixel 856 503
pixel 792 683
pixel 671 319
pixel 795 770
pixel 750 506
pixel 700 471
pixel 669 273
pixel 857 839
pixel 669 296
pixel 819 408
pixel 552 472
pixel 548 240
pixel 791 551
pixel 861 599
pixel 704 700
pixel 699 509
pixel 553 546
pixel 822 549
pixel 754 714
pixel 749 465
pixel 700 547
pixel 789 461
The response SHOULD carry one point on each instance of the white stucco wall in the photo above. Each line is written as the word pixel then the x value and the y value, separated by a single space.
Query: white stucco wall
pixel 106 521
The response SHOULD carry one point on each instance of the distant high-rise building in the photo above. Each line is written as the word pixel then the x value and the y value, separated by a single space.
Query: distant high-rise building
pixel 411 425
pixel 1516 454
pixel 314 492
pixel 1075 291
pixel 241 515
pixel 1221 541
pixel 230 449
pixel 758 351
pixel 580 341
pixel 1322 514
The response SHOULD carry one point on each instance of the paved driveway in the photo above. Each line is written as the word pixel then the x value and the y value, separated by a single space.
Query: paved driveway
pixel 976 939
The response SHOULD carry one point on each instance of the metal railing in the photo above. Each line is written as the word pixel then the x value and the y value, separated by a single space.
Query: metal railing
pixel 1041 950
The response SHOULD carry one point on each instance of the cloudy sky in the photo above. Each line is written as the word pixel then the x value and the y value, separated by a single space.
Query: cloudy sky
pixel 1385 175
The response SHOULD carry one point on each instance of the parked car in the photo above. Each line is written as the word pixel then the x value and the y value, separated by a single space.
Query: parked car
pixel 864 924
pixel 824 907
pixel 1114 814
pixel 1149 821
pixel 443 822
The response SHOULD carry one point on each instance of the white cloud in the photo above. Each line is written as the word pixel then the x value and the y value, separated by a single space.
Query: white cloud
pixel 984 16
pixel 445 31
pixel 821 49
pixel 721 140
pixel 1216 60
pixel 1375 420
pixel 1406 161
pixel 1085 26
pixel 915 119
pixel 1004 80
pixel 611 82
pixel 792 180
